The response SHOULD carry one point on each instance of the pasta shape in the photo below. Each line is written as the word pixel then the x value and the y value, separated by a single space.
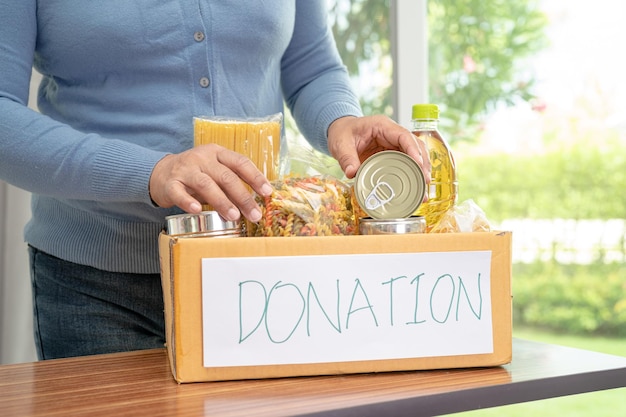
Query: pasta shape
pixel 311 206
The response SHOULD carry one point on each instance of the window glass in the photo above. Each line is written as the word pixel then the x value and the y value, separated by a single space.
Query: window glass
pixel 534 106
pixel 535 109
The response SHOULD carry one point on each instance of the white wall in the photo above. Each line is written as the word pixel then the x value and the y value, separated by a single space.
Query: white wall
pixel 16 317
pixel 16 328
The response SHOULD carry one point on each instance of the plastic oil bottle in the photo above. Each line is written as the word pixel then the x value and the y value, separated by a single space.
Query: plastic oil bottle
pixel 443 189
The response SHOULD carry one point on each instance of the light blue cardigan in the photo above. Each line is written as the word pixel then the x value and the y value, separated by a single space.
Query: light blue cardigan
pixel 122 83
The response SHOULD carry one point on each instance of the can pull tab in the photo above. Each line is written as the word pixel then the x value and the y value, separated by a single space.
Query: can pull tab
pixel 372 201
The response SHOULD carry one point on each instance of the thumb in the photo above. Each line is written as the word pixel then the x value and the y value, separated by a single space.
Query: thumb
pixel 341 147
pixel 348 160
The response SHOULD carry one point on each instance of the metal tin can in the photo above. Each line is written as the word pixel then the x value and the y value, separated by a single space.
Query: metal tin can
pixel 204 224
pixel 389 185
pixel 403 226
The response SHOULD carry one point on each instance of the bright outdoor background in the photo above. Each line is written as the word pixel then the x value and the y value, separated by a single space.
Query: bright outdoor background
pixel 533 101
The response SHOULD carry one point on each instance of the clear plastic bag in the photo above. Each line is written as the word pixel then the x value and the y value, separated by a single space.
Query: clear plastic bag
pixel 257 138
pixel 464 217
pixel 319 205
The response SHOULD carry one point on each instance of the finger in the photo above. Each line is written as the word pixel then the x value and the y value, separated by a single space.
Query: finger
pixel 396 136
pixel 224 186
pixel 417 150
pixel 426 164
pixel 199 177
pixel 179 196
pixel 214 193
pixel 167 190
pixel 246 171
pixel 348 158
pixel 341 145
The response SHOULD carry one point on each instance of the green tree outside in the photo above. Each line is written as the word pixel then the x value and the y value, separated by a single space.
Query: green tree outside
pixel 477 54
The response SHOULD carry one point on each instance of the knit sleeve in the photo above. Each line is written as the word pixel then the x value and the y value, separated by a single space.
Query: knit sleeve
pixel 315 82
pixel 47 157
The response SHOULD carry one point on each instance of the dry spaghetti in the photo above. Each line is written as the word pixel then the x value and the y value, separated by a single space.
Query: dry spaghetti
pixel 258 139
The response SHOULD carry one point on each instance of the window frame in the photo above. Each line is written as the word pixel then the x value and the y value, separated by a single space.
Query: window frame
pixel 409 49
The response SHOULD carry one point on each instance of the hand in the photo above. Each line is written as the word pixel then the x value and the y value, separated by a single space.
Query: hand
pixel 351 140
pixel 209 174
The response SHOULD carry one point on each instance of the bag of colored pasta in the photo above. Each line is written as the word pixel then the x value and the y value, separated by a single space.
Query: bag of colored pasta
pixel 306 206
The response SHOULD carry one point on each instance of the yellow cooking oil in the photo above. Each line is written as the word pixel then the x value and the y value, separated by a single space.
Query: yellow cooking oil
pixel 442 191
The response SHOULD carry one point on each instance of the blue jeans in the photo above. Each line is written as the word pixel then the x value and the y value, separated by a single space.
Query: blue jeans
pixel 79 310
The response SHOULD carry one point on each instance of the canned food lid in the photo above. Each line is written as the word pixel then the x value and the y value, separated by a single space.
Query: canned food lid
pixel 206 221
pixel 389 185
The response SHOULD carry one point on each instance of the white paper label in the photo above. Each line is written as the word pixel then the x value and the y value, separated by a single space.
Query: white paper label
pixel 340 308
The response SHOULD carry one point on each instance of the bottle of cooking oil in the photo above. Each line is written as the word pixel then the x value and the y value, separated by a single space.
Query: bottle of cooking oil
pixel 443 189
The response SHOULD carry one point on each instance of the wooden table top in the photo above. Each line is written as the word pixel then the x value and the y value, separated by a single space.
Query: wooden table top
pixel 140 384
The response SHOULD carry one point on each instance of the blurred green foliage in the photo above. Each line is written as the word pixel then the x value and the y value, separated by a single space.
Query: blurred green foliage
pixel 574 299
pixel 361 31
pixel 477 54
pixel 581 182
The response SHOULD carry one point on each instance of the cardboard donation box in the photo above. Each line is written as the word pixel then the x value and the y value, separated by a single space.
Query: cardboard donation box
pixel 255 307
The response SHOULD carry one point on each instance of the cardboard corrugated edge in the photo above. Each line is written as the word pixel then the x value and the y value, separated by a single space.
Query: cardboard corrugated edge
pixel 166 257
pixel 182 277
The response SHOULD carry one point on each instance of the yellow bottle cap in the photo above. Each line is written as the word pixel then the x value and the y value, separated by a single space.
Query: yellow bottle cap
pixel 425 111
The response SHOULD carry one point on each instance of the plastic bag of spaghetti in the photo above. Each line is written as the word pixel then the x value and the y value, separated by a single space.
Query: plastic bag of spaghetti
pixel 258 138
pixel 464 217
pixel 306 206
